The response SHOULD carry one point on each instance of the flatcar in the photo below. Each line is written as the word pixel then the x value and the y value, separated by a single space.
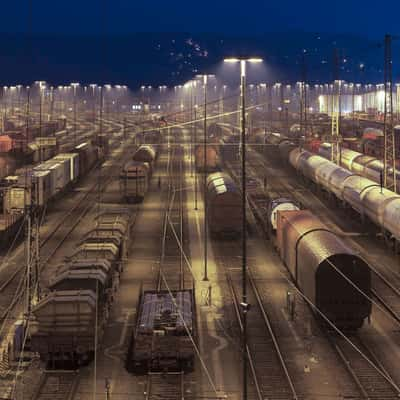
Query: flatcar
pixel 329 273
pixel 162 338
pixel 224 202
pixel 67 318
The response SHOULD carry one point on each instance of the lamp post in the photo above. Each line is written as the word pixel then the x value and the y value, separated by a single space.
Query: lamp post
pixel 195 143
pixel 205 81
pixel 244 304
pixel 74 86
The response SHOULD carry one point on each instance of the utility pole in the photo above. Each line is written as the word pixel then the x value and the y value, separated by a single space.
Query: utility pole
pixel 390 148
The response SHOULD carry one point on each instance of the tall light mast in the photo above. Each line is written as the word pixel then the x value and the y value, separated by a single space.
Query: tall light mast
pixel 389 178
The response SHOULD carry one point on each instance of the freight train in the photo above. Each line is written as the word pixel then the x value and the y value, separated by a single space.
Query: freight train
pixel 364 165
pixel 46 181
pixel 136 174
pixel 66 321
pixel 363 195
pixel 163 334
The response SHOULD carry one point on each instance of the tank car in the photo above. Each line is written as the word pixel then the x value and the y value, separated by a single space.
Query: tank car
pixel 224 202
pixel 324 268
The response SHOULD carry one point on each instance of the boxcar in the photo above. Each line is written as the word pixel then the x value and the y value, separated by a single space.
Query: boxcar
pixel 324 268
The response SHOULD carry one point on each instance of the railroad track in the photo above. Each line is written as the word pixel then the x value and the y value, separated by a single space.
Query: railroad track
pixel 267 366
pixel 385 282
pixel 372 382
pixel 172 263
pixel 57 385
pixel 168 386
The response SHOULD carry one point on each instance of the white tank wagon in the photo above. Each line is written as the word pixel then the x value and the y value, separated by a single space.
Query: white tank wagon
pixel 367 166
pixel 134 180
pixel 313 255
pixel 308 165
pixel 363 195
pixel 332 178
pixel 224 202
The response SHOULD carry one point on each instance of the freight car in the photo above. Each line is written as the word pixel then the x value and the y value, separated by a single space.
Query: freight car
pixel 145 153
pixel 224 202
pixel 363 195
pixel 329 274
pixel 359 163
pixel 50 179
pixel 66 320
pixel 163 334
pixel 134 180
pixel 208 159
pixel 229 148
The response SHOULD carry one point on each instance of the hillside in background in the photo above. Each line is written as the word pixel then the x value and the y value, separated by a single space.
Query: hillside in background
pixel 172 58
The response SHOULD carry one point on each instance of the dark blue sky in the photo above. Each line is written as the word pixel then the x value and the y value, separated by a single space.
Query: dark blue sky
pixel 364 18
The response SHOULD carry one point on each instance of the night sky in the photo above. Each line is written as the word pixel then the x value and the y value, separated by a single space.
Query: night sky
pixel 365 18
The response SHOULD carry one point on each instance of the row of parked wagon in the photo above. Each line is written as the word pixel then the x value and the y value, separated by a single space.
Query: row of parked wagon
pixel 44 182
pixel 69 320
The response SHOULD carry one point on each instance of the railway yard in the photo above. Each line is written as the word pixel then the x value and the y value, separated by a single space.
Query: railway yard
pixel 146 255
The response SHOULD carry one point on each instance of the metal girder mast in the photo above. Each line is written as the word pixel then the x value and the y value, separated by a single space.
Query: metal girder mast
pixel 335 126
pixel 389 178
pixel 303 102
pixel 32 243
pixel 336 110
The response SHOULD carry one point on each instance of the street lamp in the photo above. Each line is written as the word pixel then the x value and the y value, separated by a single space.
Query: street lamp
pixel 74 86
pixel 205 81
pixel 244 304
